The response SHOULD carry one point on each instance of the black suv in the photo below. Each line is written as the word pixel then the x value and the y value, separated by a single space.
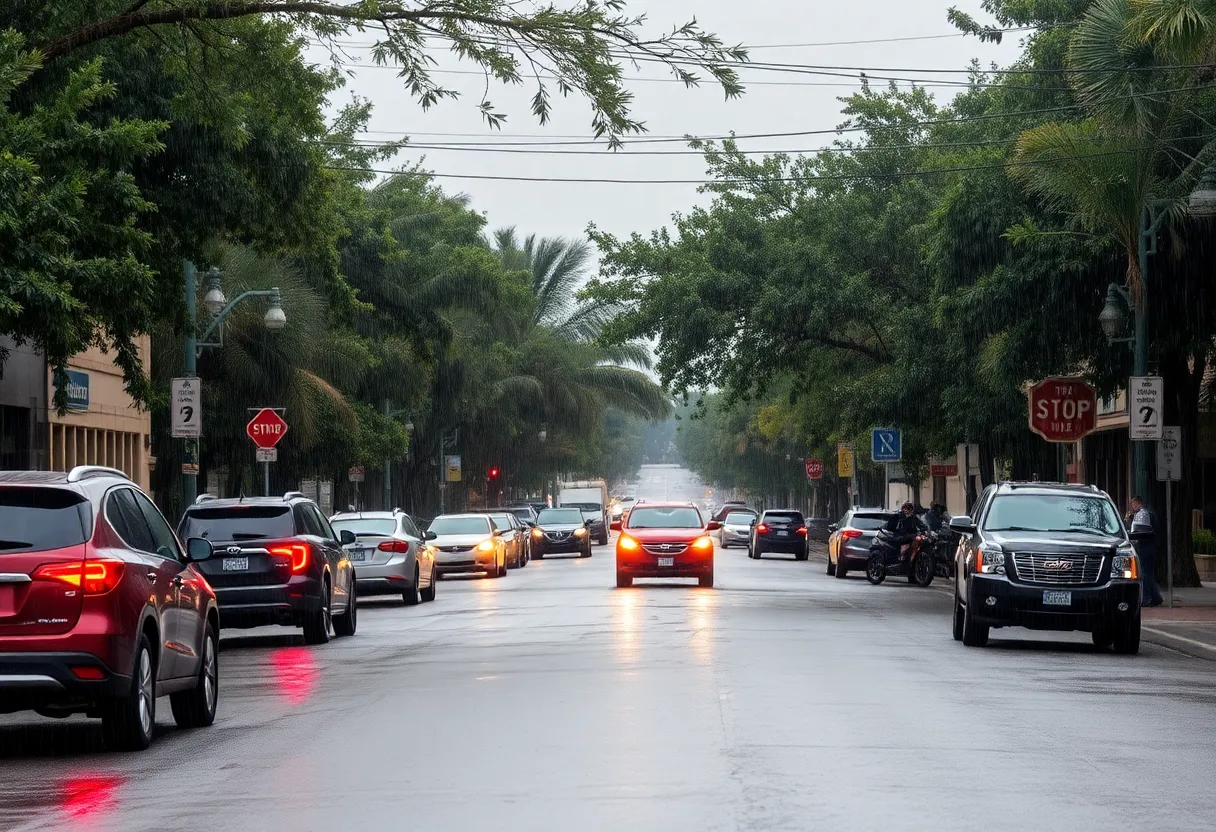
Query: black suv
pixel 1046 556
pixel 277 561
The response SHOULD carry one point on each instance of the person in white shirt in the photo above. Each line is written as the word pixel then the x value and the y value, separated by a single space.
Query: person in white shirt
pixel 1142 520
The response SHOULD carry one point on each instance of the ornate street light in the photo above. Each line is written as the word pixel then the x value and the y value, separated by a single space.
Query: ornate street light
pixel 275 318
pixel 1113 318
pixel 214 300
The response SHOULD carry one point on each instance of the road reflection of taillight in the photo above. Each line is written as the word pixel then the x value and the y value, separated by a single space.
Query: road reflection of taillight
pixel 88 797
pixel 298 553
pixel 95 577
pixel 849 534
pixel 295 672
pixel 400 547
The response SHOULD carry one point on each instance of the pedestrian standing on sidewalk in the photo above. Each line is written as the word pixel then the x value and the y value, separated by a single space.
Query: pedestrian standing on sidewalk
pixel 1142 521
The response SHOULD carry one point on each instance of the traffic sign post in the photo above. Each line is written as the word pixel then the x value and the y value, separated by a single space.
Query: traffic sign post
pixel 886 446
pixel 1063 409
pixel 1145 400
pixel 187 415
pixel 1169 470
pixel 266 428
pixel 814 469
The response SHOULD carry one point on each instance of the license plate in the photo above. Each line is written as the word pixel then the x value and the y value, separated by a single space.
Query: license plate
pixel 667 561
pixel 783 534
pixel 236 564
pixel 1056 598
pixel 359 555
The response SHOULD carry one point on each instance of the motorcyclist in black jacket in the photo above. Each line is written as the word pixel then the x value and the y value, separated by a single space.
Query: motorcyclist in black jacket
pixel 903 527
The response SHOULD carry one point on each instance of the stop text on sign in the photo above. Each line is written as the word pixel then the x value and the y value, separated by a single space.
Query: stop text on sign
pixel 266 428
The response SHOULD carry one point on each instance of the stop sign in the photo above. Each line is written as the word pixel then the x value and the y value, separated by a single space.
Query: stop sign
pixel 266 428
pixel 1063 409
pixel 814 468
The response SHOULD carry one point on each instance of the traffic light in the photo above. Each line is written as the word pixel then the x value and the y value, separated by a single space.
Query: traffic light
pixel 493 474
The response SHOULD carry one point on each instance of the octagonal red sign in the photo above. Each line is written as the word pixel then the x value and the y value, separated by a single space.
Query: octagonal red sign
pixel 266 428
pixel 1063 409
pixel 814 468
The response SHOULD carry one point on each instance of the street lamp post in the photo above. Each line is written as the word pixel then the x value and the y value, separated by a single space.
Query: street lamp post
pixel 219 308
pixel 388 463
pixel 1202 203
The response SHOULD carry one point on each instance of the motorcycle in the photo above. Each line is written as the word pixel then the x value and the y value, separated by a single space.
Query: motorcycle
pixel 920 564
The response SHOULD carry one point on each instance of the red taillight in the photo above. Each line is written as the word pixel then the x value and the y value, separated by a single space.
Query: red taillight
pixel 849 534
pixel 762 528
pixel 298 552
pixel 802 530
pixel 89 674
pixel 95 577
pixel 401 547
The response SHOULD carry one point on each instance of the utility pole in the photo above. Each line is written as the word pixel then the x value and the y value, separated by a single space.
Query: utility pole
pixel 190 457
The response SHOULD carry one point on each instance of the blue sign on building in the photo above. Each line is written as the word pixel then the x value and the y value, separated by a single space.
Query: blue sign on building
pixel 886 445
pixel 78 391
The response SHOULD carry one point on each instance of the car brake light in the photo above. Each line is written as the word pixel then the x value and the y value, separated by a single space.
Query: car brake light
pixel 95 577
pixel 802 530
pixel 627 543
pixel 297 552
pixel 399 546
pixel 849 534
pixel 703 543
pixel 762 528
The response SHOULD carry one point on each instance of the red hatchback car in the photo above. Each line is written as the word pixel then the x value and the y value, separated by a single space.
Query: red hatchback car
pixel 665 540
pixel 101 609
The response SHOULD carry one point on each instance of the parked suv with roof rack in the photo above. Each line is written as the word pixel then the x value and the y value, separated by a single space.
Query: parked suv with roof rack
pixel 1047 556
pixel 101 608
pixel 278 561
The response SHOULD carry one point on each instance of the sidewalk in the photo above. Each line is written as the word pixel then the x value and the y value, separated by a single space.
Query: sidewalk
pixel 1190 627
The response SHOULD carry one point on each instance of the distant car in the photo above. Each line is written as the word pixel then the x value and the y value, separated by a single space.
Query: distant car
pixel 390 555
pixel 727 508
pixel 561 530
pixel 850 539
pixel 102 610
pixel 665 540
pixel 466 543
pixel 779 531
pixel 515 535
pixel 524 514
pixel 595 525
pixel 280 562
pixel 1047 556
pixel 736 528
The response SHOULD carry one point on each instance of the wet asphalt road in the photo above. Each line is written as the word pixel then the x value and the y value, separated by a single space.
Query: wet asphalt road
pixel 781 699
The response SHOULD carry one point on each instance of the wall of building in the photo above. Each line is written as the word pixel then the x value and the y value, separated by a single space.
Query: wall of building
pixel 22 408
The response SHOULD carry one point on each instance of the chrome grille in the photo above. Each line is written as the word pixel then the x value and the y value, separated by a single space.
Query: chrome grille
pixel 1076 568
pixel 665 548
pixel 454 548
pixel 558 537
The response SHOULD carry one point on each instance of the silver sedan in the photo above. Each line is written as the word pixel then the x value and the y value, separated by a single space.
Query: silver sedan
pixel 736 529
pixel 389 555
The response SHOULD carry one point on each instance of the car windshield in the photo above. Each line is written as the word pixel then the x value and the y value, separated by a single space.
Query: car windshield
pixel 238 522
pixel 868 522
pixel 502 521
pixel 782 517
pixel 1053 513
pixel 41 519
pixel 659 517
pixel 460 525
pixel 560 515
pixel 740 518
pixel 366 526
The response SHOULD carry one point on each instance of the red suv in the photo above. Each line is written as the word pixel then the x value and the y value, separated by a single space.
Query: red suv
pixel 665 540
pixel 101 609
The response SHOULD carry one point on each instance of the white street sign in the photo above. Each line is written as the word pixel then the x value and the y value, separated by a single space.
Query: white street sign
pixel 1169 455
pixel 187 408
pixel 268 454
pixel 1146 398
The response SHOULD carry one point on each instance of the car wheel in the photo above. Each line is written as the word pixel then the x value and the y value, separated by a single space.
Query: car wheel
pixel 195 708
pixel 346 623
pixel 1127 637
pixel 958 620
pixel 803 555
pixel 974 633
pixel 603 541
pixel 316 623
pixel 756 553
pixel 130 719
pixel 706 580
pixel 831 566
pixel 723 544
pixel 428 594
pixel 623 581
pixel 413 595
pixel 1103 638
pixel 587 553
pixel 842 572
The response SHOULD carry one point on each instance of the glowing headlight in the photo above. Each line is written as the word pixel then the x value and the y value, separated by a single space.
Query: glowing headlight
pixel 1125 565
pixel 990 561
pixel 485 546
pixel 538 532
pixel 580 532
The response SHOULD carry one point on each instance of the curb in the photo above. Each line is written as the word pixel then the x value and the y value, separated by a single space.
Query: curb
pixel 1191 647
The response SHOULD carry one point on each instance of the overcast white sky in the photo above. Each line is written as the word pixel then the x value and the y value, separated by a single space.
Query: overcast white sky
pixel 785 102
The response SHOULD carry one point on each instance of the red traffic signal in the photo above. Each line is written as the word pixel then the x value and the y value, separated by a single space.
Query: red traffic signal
pixel 493 473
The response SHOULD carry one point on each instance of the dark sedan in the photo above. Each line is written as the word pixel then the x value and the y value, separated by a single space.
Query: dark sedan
pixel 779 531
pixel 849 544
pixel 560 530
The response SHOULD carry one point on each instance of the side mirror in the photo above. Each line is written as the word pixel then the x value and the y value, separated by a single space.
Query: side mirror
pixel 962 525
pixel 431 535
pixel 833 528
pixel 713 526
pixel 1141 535
pixel 346 537
pixel 198 549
